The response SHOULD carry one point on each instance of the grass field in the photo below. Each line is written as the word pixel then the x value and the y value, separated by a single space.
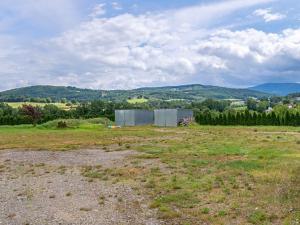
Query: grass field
pixel 209 175
pixel 137 100
pixel 19 104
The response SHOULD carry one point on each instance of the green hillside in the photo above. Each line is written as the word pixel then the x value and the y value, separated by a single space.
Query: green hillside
pixel 281 89
pixel 198 92
pixel 185 92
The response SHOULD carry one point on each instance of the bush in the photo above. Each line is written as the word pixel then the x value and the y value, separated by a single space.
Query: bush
pixel 257 217
pixel 62 124
pixel 101 120
pixel 76 123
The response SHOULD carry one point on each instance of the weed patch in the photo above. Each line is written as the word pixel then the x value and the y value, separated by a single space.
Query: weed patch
pixel 244 165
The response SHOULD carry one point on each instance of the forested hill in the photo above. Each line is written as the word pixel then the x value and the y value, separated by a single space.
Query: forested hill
pixel 186 92
pixel 278 88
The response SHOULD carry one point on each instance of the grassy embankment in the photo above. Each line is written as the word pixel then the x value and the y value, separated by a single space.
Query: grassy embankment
pixel 217 175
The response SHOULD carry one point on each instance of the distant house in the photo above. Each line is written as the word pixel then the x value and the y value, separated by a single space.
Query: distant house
pixel 269 110
pixel 134 117
pixel 171 117
pixel 237 103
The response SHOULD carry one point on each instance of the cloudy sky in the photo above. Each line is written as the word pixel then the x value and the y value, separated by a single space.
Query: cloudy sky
pixel 126 44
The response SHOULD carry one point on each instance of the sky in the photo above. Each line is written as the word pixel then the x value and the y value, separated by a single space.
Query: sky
pixel 125 44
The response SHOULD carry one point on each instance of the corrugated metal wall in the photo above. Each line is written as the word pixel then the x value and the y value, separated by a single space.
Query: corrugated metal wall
pixel 184 114
pixel 165 117
pixel 133 117
pixel 120 117
pixel 160 117
pixel 144 117
pixel 170 117
pixel 124 118
pixel 129 118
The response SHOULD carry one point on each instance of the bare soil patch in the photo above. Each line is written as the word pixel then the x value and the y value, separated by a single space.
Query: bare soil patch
pixel 89 157
pixel 44 187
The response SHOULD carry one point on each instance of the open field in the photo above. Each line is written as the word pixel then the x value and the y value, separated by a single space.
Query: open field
pixel 19 104
pixel 148 175
pixel 137 100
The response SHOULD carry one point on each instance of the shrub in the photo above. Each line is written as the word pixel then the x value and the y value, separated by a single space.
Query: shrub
pixel 257 217
pixel 205 211
pixel 62 125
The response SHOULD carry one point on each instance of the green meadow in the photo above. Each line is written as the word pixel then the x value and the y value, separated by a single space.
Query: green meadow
pixel 197 175
pixel 137 100
pixel 20 104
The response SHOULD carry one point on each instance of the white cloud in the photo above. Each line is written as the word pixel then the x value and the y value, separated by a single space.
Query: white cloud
pixel 98 10
pixel 206 15
pixel 146 48
pixel 268 15
pixel 128 51
pixel 253 55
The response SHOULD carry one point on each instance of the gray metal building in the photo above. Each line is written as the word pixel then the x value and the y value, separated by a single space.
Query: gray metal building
pixel 134 117
pixel 171 117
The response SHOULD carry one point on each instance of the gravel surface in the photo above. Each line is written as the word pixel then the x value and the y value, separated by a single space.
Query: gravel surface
pixel 43 187
pixel 69 158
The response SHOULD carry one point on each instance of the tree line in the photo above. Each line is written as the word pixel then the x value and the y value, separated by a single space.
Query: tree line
pixel 248 118
pixel 28 114
pixel 208 112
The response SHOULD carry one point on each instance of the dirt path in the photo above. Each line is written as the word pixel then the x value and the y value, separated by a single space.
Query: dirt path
pixel 43 187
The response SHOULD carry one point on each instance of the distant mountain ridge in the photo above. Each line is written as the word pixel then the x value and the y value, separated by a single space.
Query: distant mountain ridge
pixel 281 89
pixel 185 92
